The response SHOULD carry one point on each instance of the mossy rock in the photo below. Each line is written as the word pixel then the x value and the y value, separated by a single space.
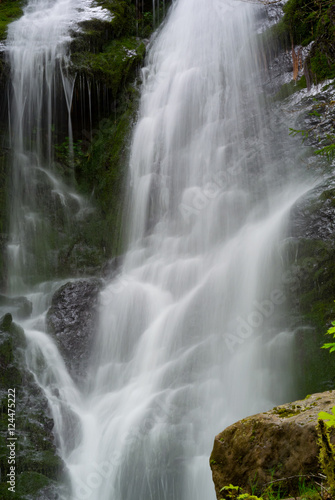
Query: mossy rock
pixel 29 483
pixel 277 446
pixel 104 169
pixel 37 463
pixel 290 88
pixel 114 65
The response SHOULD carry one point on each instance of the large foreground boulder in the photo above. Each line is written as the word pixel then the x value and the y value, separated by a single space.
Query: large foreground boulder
pixel 278 444
pixel 72 320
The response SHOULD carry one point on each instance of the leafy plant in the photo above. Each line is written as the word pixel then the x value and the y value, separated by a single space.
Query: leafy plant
pixel 330 331
pixel 304 133
pixel 230 488
pixel 236 493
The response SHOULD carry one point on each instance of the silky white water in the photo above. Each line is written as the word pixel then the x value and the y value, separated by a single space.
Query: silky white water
pixel 41 91
pixel 192 332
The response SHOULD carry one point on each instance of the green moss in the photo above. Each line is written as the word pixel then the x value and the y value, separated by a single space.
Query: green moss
pixel 313 20
pixel 274 39
pixel 37 464
pixel 124 16
pixel 104 170
pixel 115 65
pixel 302 17
pixel 29 483
pixel 9 11
pixel 321 65
pixel 286 412
pixel 290 88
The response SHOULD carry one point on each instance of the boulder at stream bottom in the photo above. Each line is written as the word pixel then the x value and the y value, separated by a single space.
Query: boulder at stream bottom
pixel 271 446
pixel 72 320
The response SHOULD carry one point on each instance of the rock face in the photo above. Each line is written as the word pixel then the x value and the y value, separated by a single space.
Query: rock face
pixel 38 468
pixel 277 444
pixel 72 320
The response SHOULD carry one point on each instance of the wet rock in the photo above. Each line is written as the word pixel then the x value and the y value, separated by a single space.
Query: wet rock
pixel 268 15
pixel 6 322
pixel 71 319
pixel 112 267
pixel 270 446
pixel 35 447
pixel 313 217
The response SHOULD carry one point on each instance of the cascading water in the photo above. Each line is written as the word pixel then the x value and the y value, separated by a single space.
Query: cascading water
pixel 191 334
pixel 37 49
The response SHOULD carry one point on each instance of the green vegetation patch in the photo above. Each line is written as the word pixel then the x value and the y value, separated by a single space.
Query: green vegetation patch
pixel 305 19
pixel 313 20
pixel 104 168
pixel 9 11
pixel 114 65
pixel 290 88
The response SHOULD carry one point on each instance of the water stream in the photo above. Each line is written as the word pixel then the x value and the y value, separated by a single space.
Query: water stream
pixel 40 99
pixel 192 332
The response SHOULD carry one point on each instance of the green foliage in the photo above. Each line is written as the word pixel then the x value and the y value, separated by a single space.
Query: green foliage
pixel 327 151
pixel 313 20
pixel 230 488
pixel 322 66
pixel 69 155
pixel 131 21
pixel 230 492
pixel 304 133
pixel 114 65
pixel 330 331
pixel 9 11
pixel 235 493
pixel 30 482
pixel 290 88
pixel 303 17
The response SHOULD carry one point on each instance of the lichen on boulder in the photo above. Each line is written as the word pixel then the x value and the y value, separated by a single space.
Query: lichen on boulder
pixel 277 445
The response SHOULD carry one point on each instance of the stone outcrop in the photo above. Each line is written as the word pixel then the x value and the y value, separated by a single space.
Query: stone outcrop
pixel 72 320
pixel 38 468
pixel 278 444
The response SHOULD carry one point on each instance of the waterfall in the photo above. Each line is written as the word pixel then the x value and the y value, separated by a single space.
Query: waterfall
pixel 41 96
pixel 192 332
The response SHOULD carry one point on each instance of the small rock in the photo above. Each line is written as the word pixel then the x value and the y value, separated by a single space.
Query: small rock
pixel 6 322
